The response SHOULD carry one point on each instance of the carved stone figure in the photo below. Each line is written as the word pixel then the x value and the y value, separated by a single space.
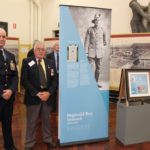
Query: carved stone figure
pixel 140 13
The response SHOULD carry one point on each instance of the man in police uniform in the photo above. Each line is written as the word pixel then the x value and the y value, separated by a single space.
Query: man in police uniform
pixel 8 87
pixel 95 40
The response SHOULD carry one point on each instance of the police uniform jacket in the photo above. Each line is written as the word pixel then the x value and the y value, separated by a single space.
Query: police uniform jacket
pixel 8 74
pixel 31 81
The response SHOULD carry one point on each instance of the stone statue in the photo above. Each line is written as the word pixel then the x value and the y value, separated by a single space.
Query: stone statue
pixel 140 21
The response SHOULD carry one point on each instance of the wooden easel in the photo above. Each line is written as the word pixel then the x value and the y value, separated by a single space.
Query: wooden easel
pixel 122 88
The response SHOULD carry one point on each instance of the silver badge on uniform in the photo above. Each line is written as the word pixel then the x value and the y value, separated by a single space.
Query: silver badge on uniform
pixel 12 66
pixel 52 72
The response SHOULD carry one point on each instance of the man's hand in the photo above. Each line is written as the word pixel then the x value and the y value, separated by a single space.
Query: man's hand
pixel 43 95
pixel 7 94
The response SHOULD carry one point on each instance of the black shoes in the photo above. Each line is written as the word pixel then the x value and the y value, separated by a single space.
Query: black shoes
pixel 27 148
pixel 52 144
pixel 12 148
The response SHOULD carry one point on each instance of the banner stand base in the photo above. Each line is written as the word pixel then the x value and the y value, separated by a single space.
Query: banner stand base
pixel 83 142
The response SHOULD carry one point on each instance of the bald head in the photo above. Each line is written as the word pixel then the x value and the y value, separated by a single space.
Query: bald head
pixel 2 37
pixel 56 47
pixel 2 30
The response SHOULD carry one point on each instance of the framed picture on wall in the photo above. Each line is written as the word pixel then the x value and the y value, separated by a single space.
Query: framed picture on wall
pixel 4 25
pixel 12 45
pixel 137 83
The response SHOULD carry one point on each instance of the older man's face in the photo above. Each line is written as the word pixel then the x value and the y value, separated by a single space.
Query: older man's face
pixel 56 47
pixel 40 51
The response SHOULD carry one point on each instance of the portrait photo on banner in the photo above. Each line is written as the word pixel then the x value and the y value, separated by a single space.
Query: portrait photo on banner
pixel 95 37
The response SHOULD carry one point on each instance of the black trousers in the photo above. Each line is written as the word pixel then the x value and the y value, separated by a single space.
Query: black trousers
pixel 54 97
pixel 6 112
pixel 54 100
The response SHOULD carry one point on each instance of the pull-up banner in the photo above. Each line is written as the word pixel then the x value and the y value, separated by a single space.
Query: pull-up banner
pixel 84 74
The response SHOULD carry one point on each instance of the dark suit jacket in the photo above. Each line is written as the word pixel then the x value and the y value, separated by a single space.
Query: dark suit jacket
pixel 8 76
pixel 31 82
pixel 51 56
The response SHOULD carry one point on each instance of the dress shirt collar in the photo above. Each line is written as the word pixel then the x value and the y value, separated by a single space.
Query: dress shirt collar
pixel 37 60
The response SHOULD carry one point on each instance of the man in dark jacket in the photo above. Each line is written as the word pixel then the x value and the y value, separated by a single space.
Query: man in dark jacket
pixel 54 56
pixel 38 77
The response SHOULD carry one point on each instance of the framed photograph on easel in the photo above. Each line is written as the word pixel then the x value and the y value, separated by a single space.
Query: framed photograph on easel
pixel 134 85
pixel 137 84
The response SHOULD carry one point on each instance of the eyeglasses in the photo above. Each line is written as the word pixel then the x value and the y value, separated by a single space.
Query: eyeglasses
pixel 40 49
pixel 3 36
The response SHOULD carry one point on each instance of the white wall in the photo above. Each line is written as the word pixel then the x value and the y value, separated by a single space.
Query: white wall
pixel 16 11
pixel 24 14
pixel 20 13
pixel 121 13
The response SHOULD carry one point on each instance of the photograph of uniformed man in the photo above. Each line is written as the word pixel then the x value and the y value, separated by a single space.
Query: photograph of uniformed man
pixel 95 40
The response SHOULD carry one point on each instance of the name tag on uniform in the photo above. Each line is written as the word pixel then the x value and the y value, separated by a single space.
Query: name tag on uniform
pixel 31 63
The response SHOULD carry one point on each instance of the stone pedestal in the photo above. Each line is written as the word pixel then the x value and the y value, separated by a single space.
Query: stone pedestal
pixel 133 123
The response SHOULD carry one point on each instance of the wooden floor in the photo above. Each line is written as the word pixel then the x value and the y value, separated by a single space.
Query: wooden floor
pixel 19 123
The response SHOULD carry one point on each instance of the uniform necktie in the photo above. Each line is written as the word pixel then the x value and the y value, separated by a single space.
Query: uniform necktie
pixel 57 62
pixel 1 55
pixel 41 75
